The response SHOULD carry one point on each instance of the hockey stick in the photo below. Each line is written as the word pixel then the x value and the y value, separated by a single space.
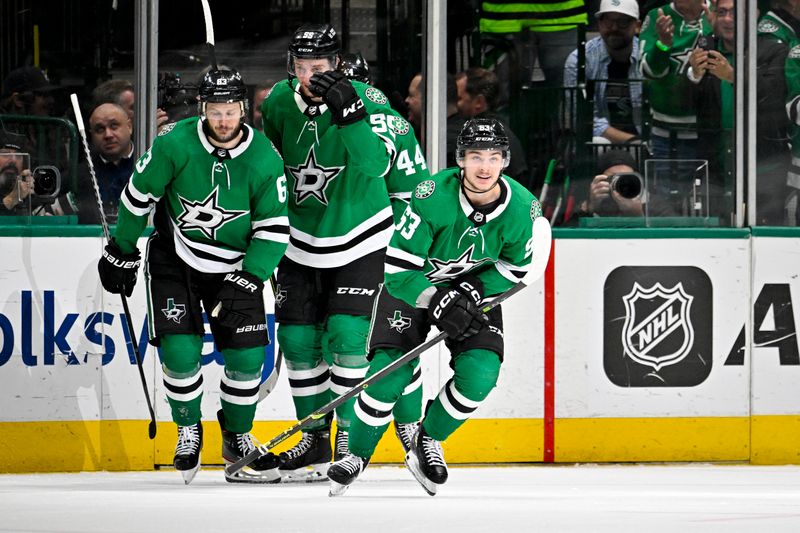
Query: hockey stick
pixel 212 54
pixel 79 119
pixel 540 241
pixel 269 384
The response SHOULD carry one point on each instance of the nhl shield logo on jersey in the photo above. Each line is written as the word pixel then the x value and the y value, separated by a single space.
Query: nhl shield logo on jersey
pixel 424 189
pixel 207 215
pixel 174 312
pixel 375 95
pixel 657 330
pixel 399 322
pixel 311 179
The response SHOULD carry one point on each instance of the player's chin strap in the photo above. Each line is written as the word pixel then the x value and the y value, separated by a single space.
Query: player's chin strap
pixel 541 240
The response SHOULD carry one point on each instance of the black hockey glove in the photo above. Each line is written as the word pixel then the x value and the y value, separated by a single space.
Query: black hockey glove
pixel 470 286
pixel 118 271
pixel 238 298
pixel 339 95
pixel 455 314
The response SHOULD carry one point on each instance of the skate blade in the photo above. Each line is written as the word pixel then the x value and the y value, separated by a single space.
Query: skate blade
pixel 188 475
pixel 248 475
pixel 308 474
pixel 413 465
pixel 337 489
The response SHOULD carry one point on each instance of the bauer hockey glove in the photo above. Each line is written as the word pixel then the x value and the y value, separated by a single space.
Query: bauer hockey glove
pixel 339 95
pixel 239 300
pixel 117 270
pixel 455 314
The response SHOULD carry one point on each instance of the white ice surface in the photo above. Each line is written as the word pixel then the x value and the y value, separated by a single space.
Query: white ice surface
pixel 674 498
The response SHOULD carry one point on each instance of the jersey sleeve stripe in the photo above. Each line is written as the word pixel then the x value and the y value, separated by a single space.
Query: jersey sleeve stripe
pixel 374 230
pixel 274 221
pixel 135 205
pixel 401 265
pixel 402 255
pixel 512 273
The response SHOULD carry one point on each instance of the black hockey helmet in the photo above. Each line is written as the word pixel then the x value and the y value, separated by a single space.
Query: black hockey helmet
pixel 355 67
pixel 312 41
pixel 222 85
pixel 483 134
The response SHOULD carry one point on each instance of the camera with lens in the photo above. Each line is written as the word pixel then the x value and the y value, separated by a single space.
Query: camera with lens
pixel 628 184
pixel 46 181
pixel 46 178
pixel 177 99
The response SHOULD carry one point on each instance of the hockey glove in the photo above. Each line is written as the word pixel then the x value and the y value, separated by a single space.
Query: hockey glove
pixel 238 298
pixel 455 314
pixel 339 95
pixel 470 286
pixel 118 271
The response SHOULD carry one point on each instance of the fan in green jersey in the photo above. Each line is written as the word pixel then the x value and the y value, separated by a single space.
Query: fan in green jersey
pixel 337 152
pixel 466 237
pixel 221 226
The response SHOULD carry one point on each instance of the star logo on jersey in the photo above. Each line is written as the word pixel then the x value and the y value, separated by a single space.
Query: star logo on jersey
pixel 174 312
pixel 444 270
pixel 681 57
pixel 280 295
pixel 311 179
pixel 206 215
pixel 399 322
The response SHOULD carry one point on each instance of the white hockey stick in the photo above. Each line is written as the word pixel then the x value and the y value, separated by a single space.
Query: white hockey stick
pixel 79 120
pixel 212 54
pixel 540 245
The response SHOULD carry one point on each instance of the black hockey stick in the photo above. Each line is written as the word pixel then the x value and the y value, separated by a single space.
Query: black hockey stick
pixel 540 241
pixel 79 119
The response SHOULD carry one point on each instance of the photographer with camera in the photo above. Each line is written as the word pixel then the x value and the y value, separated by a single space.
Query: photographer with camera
pixel 16 181
pixel 618 190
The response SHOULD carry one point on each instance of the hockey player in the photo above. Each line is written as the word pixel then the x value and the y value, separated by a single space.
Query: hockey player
pixel 221 226
pixel 408 170
pixel 466 236
pixel 340 221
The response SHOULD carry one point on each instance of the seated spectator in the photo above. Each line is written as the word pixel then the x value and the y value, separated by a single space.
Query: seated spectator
pixel 414 104
pixel 16 181
pixel 603 201
pixel 121 92
pixel 112 156
pixel 613 60
pixel 416 110
pixel 27 91
pixel 478 91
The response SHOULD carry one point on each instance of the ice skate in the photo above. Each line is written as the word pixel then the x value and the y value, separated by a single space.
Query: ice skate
pixel 237 445
pixel 187 451
pixel 405 434
pixel 309 459
pixel 426 461
pixel 343 472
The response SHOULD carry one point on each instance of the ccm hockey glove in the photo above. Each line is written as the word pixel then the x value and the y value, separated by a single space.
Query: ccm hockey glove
pixel 339 95
pixel 455 314
pixel 118 271
pixel 239 300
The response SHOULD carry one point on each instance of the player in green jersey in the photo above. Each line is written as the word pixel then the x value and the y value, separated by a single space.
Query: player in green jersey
pixel 221 226
pixel 336 159
pixel 408 170
pixel 466 237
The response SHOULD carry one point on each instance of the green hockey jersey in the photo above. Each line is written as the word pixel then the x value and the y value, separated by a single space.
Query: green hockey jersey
pixel 441 237
pixel 409 166
pixel 338 203
pixel 225 209
pixel 671 92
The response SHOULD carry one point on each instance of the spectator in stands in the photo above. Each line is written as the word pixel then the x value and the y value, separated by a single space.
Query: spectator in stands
pixel 121 92
pixel 416 108
pixel 16 181
pixel 478 91
pixel 711 69
pixel 27 91
pixel 414 103
pixel 544 31
pixel 112 157
pixel 669 34
pixel 613 60
pixel 602 201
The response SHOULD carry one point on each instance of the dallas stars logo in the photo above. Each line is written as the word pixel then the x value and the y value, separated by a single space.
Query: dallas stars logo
pixel 311 179
pixel 280 296
pixel 444 270
pixel 174 312
pixel 399 322
pixel 206 215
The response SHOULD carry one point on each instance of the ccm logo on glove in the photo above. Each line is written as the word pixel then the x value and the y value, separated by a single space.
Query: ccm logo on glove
pixel 444 302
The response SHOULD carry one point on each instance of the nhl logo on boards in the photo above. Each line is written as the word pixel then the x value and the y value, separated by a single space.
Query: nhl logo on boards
pixel 657 326
pixel 399 322
pixel 424 189
pixel 375 95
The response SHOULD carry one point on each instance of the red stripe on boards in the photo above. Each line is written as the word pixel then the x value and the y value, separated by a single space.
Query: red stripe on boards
pixel 549 356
